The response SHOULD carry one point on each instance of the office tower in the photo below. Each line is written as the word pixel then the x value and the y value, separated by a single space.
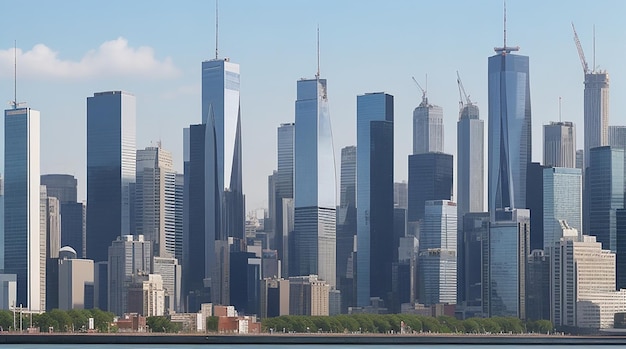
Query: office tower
pixel 174 215
pixel 605 192
pixel 620 255
pixel 43 241
pixel 504 278
pixel 559 144
pixel 2 223
pixel 470 162
pixel 274 297
pixel 562 200
pixel 315 187
pixel 73 225
pixel 146 295
pixel 346 226
pixel 128 258
pixel 583 284
pixel 8 291
pixel 308 295
pixel 51 224
pixel 61 186
pixel 171 274
pixel 437 253
pixel 22 216
pixel 404 273
pixel 283 182
pixel 110 169
pixel 374 196
pixel 245 281
pixel 535 203
pixel 617 136
pixel 75 279
pixel 427 128
pixel 472 257
pixel 596 114
pixel 222 116
pixel 401 194
pixel 101 285
pixel 509 133
pixel 580 159
pixel 430 178
pixel 270 220
pixel 538 286
pixel 155 198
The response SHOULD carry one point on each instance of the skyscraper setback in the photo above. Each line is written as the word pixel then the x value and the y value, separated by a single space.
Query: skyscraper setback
pixel 315 186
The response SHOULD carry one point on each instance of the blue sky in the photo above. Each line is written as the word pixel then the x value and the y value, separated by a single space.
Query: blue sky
pixel 70 49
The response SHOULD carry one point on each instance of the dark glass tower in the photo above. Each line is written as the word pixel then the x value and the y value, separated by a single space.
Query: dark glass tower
pixel 430 178
pixel 110 169
pixel 375 248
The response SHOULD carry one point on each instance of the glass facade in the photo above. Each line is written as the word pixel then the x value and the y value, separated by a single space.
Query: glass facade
pixel 283 181
pixel 315 186
pixel 505 279
pixel 346 226
pixel 22 205
pixel 559 144
pixel 430 178
pixel 562 200
pixel 110 169
pixel 475 234
pixel 605 191
pixel 427 128
pixel 509 131
pixel 375 248
pixel 437 253
pixel 596 115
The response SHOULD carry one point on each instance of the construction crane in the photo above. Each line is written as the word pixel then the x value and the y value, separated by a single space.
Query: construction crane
pixel 462 93
pixel 581 54
pixel 421 89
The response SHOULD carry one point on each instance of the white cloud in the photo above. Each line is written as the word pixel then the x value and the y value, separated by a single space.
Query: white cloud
pixel 112 58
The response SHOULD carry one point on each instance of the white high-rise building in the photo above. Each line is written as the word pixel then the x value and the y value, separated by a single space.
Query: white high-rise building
pixel 559 144
pixel 128 258
pixel 22 216
pixel 617 136
pixel 427 128
pixel 437 253
pixel 470 162
pixel 596 113
pixel 171 274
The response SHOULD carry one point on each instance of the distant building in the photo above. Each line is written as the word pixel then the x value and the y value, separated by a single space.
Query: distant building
pixel 274 300
pixel 309 296
pixel 171 274
pixel 430 178
pixel 559 144
pixel 472 257
pixel 538 286
pixel 596 112
pixel 8 291
pixel 562 200
pixel 617 136
pixel 146 295
pixel 346 226
pixel 128 258
pixel 427 128
pixel 76 278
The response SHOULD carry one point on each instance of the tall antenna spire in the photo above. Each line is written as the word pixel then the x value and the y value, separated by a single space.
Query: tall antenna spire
pixel 559 108
pixel 505 49
pixel 317 75
pixel 504 25
pixel 216 27
pixel 15 74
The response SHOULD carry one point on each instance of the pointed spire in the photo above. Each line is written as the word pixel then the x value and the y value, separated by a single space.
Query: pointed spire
pixel 317 75
pixel 216 27
pixel 505 49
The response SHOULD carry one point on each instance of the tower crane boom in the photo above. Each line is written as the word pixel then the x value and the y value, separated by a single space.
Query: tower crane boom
pixel 581 54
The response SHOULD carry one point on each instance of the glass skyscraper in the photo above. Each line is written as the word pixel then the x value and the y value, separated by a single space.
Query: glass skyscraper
pixel 111 153
pixel 509 130
pixel 430 178
pixel 470 162
pixel 315 186
pixel 22 206
pixel 283 182
pixel 562 200
pixel 346 227
pixel 605 192
pixel 596 113
pixel 375 248
pixel 427 128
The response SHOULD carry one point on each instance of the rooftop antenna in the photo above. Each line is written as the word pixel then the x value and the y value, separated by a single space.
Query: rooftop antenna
pixel 317 76
pixel 505 49
pixel 216 27
pixel 559 108
pixel 14 103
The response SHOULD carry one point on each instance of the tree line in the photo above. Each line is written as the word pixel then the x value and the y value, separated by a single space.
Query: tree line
pixel 392 323
pixel 57 320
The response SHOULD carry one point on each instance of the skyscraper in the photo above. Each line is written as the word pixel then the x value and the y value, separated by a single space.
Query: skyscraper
pixel 110 169
pixel 427 127
pixel 346 226
pixel 437 253
pixel 596 114
pixel 22 218
pixel 61 186
pixel 509 123
pixel 128 258
pixel 605 192
pixel 559 144
pixel 154 188
pixel 375 248
pixel 562 200
pixel 470 162
pixel 224 206
pixel 430 178
pixel 472 254
pixel 617 136
pixel 315 187
pixel 283 182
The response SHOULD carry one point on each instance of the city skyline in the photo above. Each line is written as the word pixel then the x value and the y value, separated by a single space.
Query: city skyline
pixel 171 73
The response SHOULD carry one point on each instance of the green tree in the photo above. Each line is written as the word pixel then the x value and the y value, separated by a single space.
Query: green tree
pixel 471 326
pixel 211 323
pixel 79 318
pixel 6 320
